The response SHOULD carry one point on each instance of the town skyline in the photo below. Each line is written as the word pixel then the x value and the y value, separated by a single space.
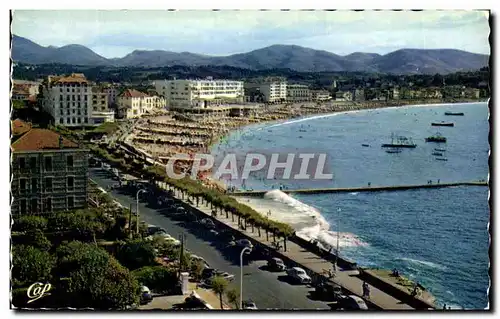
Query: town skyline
pixel 230 32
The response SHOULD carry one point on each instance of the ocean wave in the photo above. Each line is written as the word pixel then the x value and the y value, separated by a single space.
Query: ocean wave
pixel 307 221
pixel 354 193
pixel 423 262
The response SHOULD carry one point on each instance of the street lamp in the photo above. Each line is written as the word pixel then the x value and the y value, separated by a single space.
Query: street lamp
pixel 248 250
pixel 137 208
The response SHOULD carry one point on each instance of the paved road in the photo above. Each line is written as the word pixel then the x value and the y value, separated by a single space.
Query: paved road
pixel 268 290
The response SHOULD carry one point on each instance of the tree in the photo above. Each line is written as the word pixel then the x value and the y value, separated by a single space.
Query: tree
pixel 158 278
pixel 94 278
pixel 136 254
pixel 30 265
pixel 37 239
pixel 196 268
pixel 219 286
pixel 27 223
pixel 233 297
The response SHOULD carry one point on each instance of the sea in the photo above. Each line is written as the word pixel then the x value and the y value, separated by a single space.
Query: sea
pixel 438 237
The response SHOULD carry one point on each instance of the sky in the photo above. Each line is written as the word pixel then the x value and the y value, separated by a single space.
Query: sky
pixel 115 33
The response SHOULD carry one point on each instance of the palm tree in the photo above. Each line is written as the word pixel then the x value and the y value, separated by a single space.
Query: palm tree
pixel 219 286
pixel 233 297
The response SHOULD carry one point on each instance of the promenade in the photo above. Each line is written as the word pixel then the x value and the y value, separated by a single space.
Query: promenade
pixel 360 189
pixel 309 261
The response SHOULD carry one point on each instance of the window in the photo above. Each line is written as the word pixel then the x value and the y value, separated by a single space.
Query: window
pixel 47 207
pixel 86 120
pixel 79 120
pixel 22 205
pixel 71 182
pixel 71 201
pixel 33 163
pixel 48 184
pixel 69 161
pixel 34 185
pixel 73 119
pixel 48 164
pixel 22 184
pixel 34 205
pixel 61 121
pixel 22 163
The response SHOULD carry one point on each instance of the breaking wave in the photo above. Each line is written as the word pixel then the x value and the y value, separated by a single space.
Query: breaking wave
pixel 307 221
pixel 423 262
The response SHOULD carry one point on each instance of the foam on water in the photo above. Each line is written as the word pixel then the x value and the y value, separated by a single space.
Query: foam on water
pixel 307 221
pixel 423 262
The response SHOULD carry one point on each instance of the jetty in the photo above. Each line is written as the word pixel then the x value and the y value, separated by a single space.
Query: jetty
pixel 360 189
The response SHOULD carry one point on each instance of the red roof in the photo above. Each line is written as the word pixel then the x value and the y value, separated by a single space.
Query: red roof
pixel 133 93
pixel 41 139
pixel 19 127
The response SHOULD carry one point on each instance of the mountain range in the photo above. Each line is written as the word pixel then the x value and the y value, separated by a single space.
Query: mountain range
pixel 404 61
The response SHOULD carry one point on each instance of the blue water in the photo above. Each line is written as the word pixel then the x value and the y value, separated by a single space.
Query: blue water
pixel 438 237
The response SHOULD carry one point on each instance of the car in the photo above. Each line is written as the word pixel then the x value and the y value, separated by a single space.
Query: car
pixel 249 305
pixel 328 291
pixel 146 296
pixel 242 243
pixel 153 229
pixel 299 275
pixel 276 264
pixel 352 302
pixel 208 272
pixel 227 276
pixel 208 223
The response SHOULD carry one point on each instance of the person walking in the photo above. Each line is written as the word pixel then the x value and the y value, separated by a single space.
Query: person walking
pixel 365 290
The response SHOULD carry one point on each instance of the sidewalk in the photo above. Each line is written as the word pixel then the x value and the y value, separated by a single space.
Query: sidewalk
pixel 310 261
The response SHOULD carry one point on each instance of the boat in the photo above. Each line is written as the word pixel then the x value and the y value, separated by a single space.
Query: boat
pixel 393 151
pixel 400 141
pixel 441 159
pixel 365 145
pixel 437 154
pixel 438 138
pixel 440 150
pixel 454 113
pixel 442 124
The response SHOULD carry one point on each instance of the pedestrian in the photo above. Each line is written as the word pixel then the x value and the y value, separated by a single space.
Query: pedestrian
pixel 444 307
pixel 438 181
pixel 365 289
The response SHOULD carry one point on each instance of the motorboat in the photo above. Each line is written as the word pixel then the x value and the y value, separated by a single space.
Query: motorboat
pixel 442 123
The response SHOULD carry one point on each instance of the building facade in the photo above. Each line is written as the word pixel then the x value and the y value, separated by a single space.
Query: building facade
pixel 320 95
pixel 200 93
pixel 297 93
pixel 133 104
pixel 273 90
pixel 68 99
pixel 49 172
pixel 101 112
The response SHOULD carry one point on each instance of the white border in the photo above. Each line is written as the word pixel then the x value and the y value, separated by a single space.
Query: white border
pixel 185 4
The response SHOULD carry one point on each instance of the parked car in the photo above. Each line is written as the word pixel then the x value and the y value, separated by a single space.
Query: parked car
pixel 244 243
pixel 276 264
pixel 208 273
pixel 227 276
pixel 329 291
pixel 208 223
pixel 352 302
pixel 249 305
pixel 299 275
pixel 146 296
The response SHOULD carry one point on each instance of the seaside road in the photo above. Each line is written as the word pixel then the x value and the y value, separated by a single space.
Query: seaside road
pixel 261 286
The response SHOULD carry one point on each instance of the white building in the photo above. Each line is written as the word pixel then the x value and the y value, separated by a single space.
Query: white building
pixel 101 112
pixel 68 99
pixel 200 93
pixel 273 90
pixel 297 93
pixel 112 92
pixel 320 95
pixel 132 104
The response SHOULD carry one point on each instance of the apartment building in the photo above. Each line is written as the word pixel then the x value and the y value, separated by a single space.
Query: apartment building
pixel 112 91
pixel 49 172
pixel 68 99
pixel 297 93
pixel 101 111
pixel 133 104
pixel 200 93
pixel 321 95
pixel 273 90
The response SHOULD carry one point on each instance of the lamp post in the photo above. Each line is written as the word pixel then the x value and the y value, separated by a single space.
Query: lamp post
pixel 137 208
pixel 246 249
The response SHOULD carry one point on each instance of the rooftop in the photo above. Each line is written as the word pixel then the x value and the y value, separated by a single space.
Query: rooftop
pixel 38 139
pixel 73 78
pixel 19 127
pixel 133 93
